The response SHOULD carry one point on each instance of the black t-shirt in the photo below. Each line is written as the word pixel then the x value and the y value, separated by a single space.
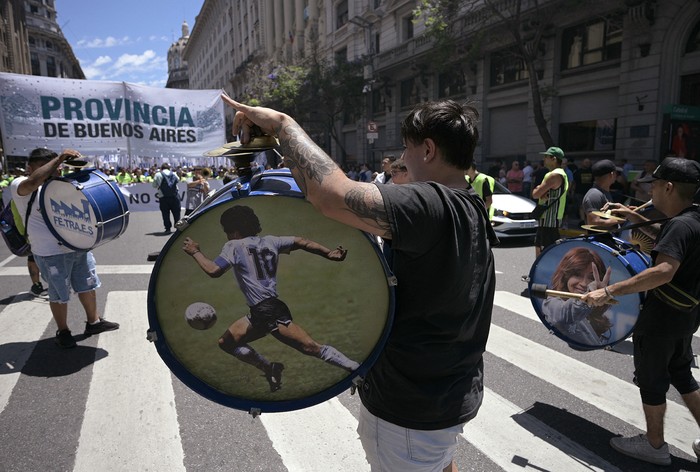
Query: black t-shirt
pixel 678 239
pixel 583 178
pixel 430 373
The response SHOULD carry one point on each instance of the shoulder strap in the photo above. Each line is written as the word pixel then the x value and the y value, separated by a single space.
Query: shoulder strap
pixel 26 216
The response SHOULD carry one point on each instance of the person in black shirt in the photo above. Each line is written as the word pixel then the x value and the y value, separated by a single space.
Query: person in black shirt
pixel 428 381
pixel 670 315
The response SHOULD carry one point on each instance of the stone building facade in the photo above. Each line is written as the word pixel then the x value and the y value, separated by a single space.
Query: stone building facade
pixel 618 79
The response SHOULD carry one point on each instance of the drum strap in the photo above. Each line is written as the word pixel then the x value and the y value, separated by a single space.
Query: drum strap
pixel 26 215
pixel 676 298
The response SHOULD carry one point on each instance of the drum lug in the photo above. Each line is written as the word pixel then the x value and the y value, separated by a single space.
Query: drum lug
pixel 254 412
pixel 182 224
pixel 356 383
pixel 151 336
pixel 392 280
pixel 525 278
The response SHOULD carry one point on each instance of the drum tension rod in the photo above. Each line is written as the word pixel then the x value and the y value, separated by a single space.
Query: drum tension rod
pixel 254 412
pixel 151 336
pixel 356 383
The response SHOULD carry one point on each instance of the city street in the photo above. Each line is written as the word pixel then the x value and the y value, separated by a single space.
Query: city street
pixel 112 404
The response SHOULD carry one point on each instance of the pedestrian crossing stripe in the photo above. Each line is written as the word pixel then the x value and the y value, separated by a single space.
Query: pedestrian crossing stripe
pixel 140 430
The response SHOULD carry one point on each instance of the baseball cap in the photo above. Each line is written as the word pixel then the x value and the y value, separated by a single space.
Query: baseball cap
pixel 603 167
pixel 678 169
pixel 555 152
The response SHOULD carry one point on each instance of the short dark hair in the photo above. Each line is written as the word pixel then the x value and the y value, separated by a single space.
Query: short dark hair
pixel 450 125
pixel 41 154
pixel 240 218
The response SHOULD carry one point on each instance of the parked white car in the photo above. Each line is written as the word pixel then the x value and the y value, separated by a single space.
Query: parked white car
pixel 511 217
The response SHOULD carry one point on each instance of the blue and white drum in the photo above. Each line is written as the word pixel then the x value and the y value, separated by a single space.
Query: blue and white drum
pixel 84 209
pixel 344 306
pixel 579 265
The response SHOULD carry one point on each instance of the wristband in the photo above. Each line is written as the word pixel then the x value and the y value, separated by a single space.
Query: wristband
pixel 197 251
pixel 607 292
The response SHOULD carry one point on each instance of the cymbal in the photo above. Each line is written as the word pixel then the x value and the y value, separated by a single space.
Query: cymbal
pixel 257 143
pixel 597 229
pixel 608 216
pixel 76 162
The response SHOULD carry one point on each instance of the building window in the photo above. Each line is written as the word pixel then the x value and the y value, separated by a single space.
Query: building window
pixel 451 83
pixel 593 42
pixel 693 43
pixel 49 45
pixel 507 67
pixel 34 9
pixel 36 66
pixel 50 67
pixel 409 92
pixel 407 27
pixel 341 16
pixel 591 135
pixel 341 56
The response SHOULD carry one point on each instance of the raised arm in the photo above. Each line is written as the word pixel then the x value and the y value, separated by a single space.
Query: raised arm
pixel 42 174
pixel 325 185
pixel 209 267
pixel 337 254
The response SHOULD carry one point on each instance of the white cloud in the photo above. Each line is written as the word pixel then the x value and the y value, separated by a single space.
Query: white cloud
pixel 102 60
pixel 108 42
pixel 146 59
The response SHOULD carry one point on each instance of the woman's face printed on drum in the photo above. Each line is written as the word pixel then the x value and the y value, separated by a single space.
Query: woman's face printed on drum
pixel 580 265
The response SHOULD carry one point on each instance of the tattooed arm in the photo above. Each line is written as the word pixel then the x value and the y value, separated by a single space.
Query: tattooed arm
pixel 325 185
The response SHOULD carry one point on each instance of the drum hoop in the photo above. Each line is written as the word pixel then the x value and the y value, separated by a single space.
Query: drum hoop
pixel 625 264
pixel 93 204
pixel 207 391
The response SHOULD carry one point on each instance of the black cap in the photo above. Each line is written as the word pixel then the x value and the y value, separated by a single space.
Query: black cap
pixel 603 167
pixel 678 169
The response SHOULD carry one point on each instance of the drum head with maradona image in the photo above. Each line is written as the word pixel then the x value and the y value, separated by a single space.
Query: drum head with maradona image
pixel 341 311
pixel 568 266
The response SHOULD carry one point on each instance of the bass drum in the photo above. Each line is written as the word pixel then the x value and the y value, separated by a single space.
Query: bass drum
pixel 346 307
pixel 84 209
pixel 568 266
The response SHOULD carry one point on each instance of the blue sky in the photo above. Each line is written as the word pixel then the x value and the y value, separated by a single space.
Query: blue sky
pixel 125 40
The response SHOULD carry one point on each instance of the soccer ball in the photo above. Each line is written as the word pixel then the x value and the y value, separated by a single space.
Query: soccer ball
pixel 200 315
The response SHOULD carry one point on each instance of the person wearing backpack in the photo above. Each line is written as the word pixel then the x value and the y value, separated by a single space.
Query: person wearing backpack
pixel 63 268
pixel 37 287
pixel 168 197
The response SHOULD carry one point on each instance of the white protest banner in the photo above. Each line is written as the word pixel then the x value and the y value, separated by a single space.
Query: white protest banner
pixel 142 197
pixel 115 118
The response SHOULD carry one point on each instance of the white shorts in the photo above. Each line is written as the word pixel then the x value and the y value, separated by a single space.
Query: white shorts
pixel 391 448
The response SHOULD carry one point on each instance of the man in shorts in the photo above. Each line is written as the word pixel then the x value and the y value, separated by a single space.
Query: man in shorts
pixel 61 267
pixel 254 261
pixel 551 193
pixel 428 380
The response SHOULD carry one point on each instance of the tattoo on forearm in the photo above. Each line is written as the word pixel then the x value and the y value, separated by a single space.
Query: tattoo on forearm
pixel 302 154
pixel 364 203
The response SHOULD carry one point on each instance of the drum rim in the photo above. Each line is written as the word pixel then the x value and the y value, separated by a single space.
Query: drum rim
pixel 99 239
pixel 204 389
pixel 627 266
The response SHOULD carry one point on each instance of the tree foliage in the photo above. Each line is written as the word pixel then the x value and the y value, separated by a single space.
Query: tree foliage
pixel 319 94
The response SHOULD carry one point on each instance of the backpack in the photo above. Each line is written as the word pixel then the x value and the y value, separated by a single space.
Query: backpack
pixel 14 236
pixel 168 186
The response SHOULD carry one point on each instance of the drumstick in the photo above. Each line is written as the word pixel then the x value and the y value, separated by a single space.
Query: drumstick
pixel 541 291
pixel 641 207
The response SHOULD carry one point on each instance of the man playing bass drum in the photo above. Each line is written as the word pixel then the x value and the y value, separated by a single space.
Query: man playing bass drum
pixel 670 315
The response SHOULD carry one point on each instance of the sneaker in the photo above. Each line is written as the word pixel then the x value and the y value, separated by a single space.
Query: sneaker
pixel 64 339
pixel 639 448
pixel 38 289
pixel 696 448
pixel 100 327
pixel 274 376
